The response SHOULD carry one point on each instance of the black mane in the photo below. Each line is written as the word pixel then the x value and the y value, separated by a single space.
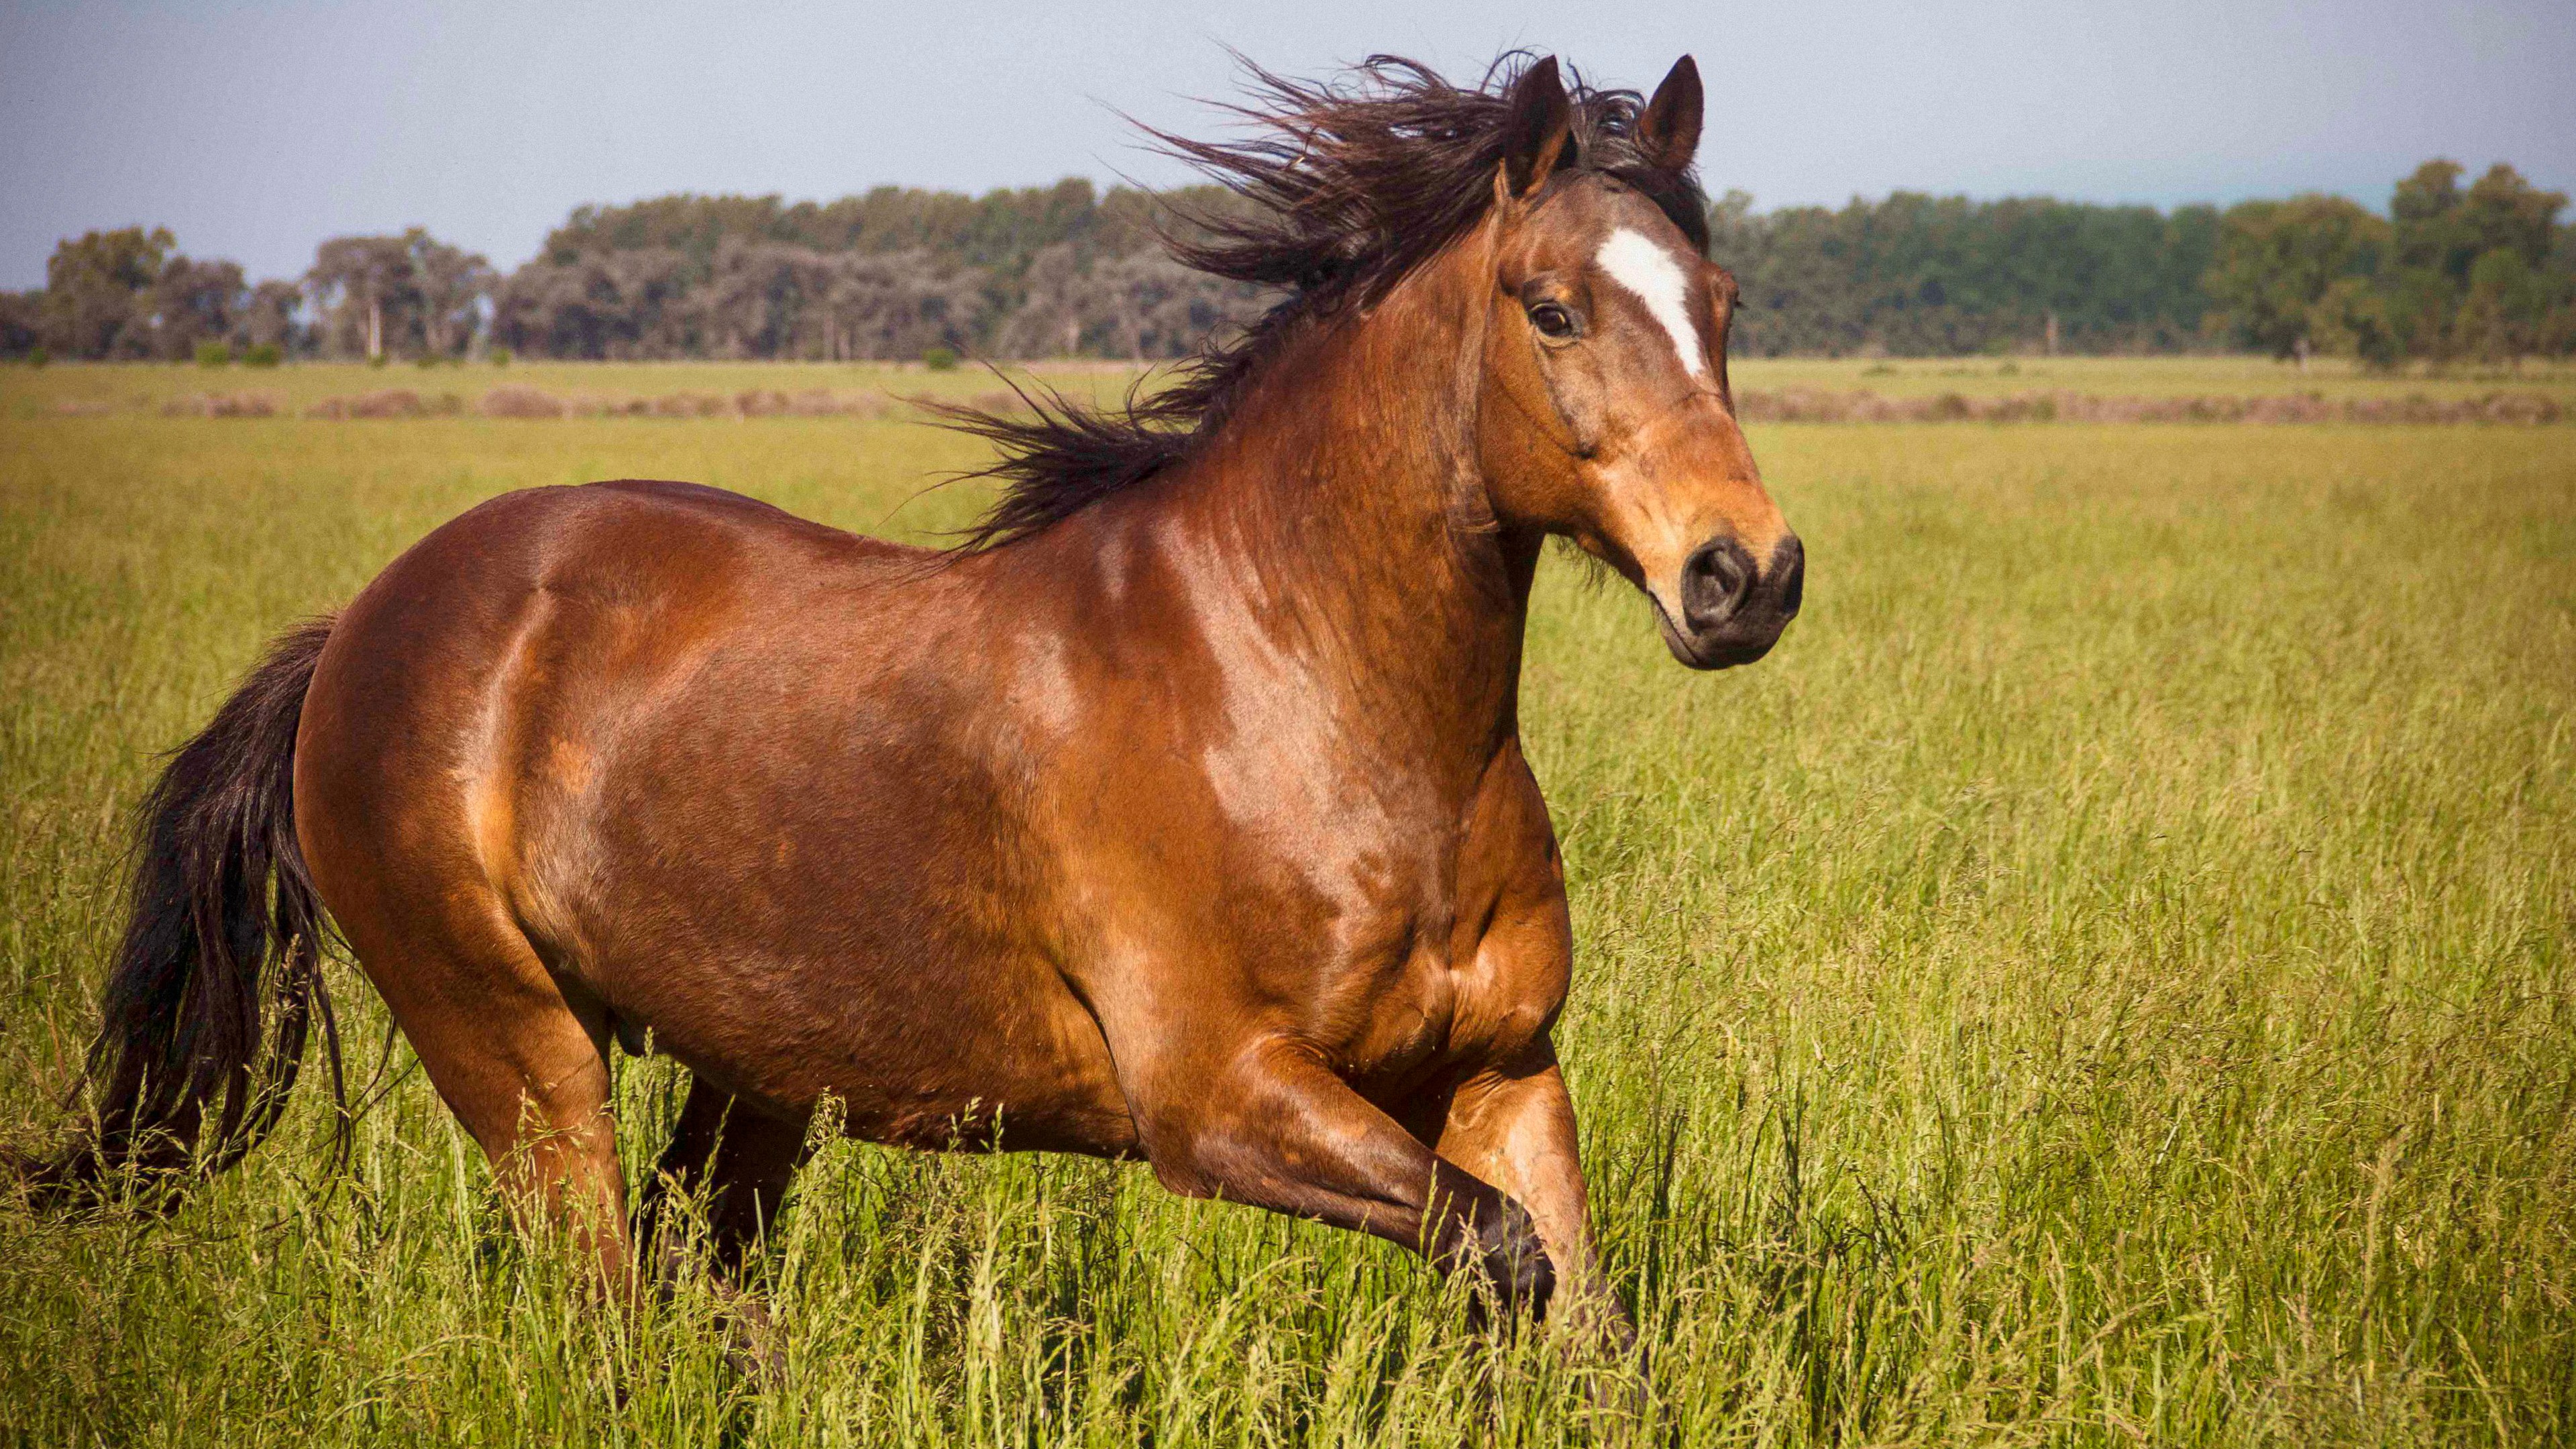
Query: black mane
pixel 1351 184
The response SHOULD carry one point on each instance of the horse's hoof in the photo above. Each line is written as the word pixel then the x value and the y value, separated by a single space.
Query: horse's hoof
pixel 755 1344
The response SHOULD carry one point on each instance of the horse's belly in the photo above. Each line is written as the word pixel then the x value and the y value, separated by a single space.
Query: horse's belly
pixel 1041 1081
pixel 1003 1059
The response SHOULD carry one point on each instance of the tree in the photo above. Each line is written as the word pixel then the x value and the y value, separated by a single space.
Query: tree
pixel 268 318
pixel 94 292
pixel 2507 297
pixel 354 282
pixel 1049 321
pixel 2503 212
pixel 22 322
pixel 899 304
pixel 775 299
pixel 1140 305
pixel 2424 211
pixel 2276 262
pixel 2477 267
pixel 2352 319
pixel 623 304
pixel 2558 327
pixel 2471 269
pixel 1922 274
pixel 2507 305
pixel 192 303
pixel 452 284
pixel 762 297
pixel 409 294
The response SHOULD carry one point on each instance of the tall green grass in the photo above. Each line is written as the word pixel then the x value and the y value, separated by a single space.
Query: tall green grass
pixel 2105 978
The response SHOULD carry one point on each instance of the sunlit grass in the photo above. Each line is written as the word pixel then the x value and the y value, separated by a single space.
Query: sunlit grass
pixel 2222 376
pixel 36 392
pixel 2106 977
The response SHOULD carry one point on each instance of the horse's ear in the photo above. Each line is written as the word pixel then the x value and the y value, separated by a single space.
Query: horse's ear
pixel 1540 133
pixel 1668 132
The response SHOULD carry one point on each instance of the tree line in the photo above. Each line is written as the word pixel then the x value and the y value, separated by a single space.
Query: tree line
pixel 2483 271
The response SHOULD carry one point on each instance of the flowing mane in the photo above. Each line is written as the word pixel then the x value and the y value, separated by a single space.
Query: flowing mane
pixel 1352 183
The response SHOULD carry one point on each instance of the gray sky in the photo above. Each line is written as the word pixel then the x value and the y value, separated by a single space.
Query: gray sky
pixel 255 130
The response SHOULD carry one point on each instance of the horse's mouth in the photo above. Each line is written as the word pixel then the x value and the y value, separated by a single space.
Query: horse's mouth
pixel 1714 650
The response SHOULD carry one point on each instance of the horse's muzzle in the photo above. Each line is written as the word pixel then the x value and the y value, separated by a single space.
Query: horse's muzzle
pixel 1733 610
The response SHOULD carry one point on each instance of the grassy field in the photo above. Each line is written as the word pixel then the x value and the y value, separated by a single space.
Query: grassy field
pixel 59 389
pixel 2106 978
pixel 128 389
pixel 2335 378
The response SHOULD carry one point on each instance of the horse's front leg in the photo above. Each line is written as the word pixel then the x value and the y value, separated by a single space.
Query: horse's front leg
pixel 1267 1123
pixel 1512 1124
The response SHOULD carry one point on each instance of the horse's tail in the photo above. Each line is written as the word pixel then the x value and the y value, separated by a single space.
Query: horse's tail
pixel 218 978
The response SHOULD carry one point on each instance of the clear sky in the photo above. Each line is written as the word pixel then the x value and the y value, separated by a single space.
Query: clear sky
pixel 255 130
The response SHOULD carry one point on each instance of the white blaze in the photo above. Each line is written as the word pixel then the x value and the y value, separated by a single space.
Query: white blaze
pixel 1648 270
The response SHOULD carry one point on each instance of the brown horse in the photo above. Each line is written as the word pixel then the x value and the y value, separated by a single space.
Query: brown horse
pixel 1180 813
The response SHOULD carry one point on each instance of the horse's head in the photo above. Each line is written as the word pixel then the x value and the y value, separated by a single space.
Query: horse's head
pixel 1605 414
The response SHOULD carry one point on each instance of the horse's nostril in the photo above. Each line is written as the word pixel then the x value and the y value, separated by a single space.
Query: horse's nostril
pixel 1715 582
pixel 1789 564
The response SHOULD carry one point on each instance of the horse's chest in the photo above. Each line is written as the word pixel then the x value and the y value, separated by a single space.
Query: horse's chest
pixel 1472 983
pixel 1436 1017
pixel 1430 956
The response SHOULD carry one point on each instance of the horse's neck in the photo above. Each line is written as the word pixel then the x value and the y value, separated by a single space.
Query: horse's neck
pixel 1354 499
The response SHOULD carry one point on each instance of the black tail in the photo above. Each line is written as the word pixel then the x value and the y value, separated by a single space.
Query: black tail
pixel 218 978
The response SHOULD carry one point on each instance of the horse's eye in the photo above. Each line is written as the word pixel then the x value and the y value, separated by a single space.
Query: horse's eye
pixel 1552 321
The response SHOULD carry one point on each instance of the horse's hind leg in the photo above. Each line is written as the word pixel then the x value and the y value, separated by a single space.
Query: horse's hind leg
pixel 523 1067
pixel 742 1160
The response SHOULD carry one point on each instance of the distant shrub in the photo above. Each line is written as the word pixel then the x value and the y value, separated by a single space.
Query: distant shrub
pixel 263 354
pixel 519 402
pixel 225 405
pixel 391 403
pixel 688 405
pixel 214 354
pixel 817 403
pixel 500 356
pixel 37 356
pixel 939 359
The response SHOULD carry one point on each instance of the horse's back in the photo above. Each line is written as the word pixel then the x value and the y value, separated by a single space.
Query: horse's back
pixel 523 640
pixel 570 588
pixel 526 625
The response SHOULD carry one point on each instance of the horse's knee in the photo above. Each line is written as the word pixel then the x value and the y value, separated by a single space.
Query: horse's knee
pixel 1192 1157
pixel 1184 1179
pixel 1498 1242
